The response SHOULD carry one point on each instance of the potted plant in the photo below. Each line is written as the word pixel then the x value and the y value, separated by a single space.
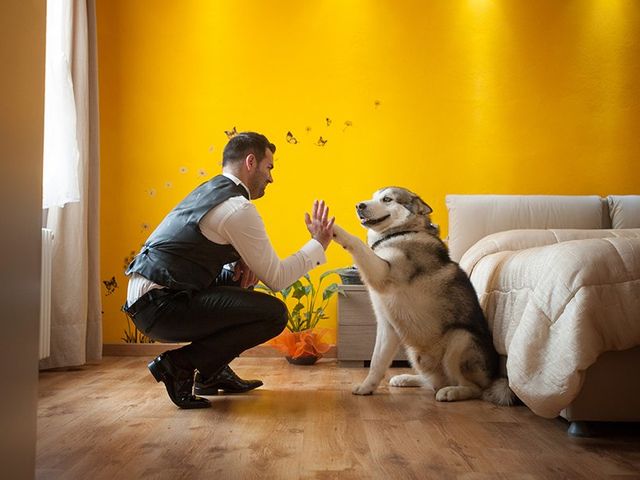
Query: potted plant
pixel 133 335
pixel 302 342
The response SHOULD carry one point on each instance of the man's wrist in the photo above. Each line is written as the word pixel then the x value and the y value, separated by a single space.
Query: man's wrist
pixel 324 244
pixel 315 252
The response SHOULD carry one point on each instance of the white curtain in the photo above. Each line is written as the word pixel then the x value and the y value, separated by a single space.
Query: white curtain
pixel 61 155
pixel 76 332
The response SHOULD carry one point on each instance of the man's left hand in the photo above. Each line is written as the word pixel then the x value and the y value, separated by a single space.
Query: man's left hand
pixel 318 223
pixel 243 273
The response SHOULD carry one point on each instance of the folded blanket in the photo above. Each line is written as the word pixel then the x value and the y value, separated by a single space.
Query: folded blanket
pixel 555 300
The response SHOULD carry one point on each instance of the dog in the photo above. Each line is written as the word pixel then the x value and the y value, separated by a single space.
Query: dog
pixel 422 300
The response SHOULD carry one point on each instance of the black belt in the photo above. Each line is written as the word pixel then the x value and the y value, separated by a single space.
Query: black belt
pixel 145 300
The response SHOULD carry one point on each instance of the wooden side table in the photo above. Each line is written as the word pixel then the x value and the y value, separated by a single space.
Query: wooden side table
pixel 357 328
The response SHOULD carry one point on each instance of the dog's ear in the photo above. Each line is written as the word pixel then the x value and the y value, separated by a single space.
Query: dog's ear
pixel 420 207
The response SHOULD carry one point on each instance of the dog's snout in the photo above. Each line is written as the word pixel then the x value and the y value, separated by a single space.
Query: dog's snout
pixel 361 206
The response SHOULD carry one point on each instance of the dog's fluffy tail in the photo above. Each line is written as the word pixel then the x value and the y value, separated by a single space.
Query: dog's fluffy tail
pixel 500 393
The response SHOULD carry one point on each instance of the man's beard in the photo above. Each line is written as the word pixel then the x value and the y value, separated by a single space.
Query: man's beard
pixel 260 193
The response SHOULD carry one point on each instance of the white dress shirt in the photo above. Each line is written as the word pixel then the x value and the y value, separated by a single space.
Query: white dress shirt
pixel 236 222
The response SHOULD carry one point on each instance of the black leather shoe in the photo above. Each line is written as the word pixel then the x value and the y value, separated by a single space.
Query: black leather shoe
pixel 179 382
pixel 225 380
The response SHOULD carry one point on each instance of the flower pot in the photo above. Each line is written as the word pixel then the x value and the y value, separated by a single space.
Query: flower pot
pixel 302 360
pixel 301 348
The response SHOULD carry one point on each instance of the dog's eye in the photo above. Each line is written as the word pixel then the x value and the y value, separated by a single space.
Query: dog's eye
pixel 386 199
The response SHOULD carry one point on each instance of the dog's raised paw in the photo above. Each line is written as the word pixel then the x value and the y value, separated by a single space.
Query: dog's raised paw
pixel 362 389
pixel 340 236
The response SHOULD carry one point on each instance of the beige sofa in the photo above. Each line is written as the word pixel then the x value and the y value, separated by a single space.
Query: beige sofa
pixel 611 387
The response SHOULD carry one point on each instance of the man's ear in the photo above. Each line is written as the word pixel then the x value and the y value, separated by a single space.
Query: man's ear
pixel 250 162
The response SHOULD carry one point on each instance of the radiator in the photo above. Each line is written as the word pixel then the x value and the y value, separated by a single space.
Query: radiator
pixel 45 293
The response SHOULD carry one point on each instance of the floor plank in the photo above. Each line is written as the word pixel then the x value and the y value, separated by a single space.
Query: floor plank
pixel 113 420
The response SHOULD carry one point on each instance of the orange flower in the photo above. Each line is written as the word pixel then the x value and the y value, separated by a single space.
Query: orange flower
pixel 297 344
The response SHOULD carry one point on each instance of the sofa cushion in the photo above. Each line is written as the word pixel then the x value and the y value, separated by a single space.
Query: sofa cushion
pixel 472 217
pixel 624 211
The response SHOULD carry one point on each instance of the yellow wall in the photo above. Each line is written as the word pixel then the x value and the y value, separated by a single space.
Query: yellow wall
pixel 472 96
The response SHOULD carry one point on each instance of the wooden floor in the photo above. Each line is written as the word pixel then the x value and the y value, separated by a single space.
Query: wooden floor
pixel 113 421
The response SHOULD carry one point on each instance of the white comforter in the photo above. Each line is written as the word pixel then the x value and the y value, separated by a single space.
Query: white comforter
pixel 555 300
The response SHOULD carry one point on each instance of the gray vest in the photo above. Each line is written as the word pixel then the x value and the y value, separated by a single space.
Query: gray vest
pixel 177 255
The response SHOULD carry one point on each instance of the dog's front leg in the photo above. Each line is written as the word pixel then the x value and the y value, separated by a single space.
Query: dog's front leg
pixel 387 343
pixel 373 269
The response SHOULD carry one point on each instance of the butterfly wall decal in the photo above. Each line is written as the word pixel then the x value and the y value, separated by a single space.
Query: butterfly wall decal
pixel 111 285
pixel 291 139
pixel 321 142
pixel 231 133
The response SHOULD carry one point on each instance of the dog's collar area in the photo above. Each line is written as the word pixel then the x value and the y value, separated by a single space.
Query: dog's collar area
pixel 396 234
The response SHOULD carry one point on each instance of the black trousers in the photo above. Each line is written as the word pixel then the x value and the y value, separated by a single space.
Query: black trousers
pixel 220 322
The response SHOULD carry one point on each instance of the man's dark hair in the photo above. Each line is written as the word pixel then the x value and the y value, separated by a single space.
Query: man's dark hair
pixel 245 143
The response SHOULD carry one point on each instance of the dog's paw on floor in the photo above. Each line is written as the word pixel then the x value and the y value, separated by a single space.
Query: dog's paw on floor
pixel 456 393
pixel 362 389
pixel 406 380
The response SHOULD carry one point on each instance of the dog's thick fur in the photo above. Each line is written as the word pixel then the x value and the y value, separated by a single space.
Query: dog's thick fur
pixel 423 300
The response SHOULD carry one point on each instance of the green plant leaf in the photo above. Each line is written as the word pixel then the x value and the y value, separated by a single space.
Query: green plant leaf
pixel 304 314
pixel 299 290
pixel 330 272
pixel 330 291
pixel 310 288
pixel 264 288
pixel 285 292
pixel 296 310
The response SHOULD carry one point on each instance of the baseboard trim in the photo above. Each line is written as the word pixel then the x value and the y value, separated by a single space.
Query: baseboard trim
pixel 152 349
